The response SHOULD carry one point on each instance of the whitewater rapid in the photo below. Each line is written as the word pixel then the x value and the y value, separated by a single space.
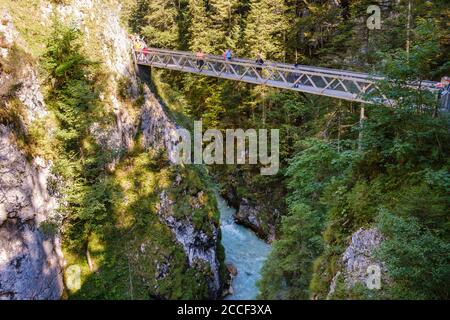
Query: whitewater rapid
pixel 245 251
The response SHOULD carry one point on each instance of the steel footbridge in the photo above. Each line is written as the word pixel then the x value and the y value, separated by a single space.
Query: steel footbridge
pixel 340 84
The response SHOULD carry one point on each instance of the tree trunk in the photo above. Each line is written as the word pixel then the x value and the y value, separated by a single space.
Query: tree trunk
pixel 362 117
pixel 408 30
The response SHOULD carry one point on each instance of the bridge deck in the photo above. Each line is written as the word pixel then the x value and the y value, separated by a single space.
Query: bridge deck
pixel 353 86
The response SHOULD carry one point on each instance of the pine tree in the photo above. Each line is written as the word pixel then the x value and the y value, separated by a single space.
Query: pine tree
pixel 138 14
pixel 161 29
pixel 214 25
pixel 201 37
pixel 212 29
pixel 224 23
pixel 266 29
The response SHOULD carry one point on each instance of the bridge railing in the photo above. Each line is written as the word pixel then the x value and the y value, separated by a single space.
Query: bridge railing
pixel 348 85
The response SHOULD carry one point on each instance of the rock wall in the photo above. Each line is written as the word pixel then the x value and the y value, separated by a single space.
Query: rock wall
pixel 8 34
pixel 259 216
pixel 26 81
pixel 355 261
pixel 249 215
pixel 159 133
pixel 31 261
pixel 158 130
pixel 198 246
pixel 108 42
pixel 359 255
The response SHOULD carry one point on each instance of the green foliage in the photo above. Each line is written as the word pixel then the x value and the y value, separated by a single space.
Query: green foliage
pixel 73 92
pixel 160 23
pixel 199 27
pixel 403 153
pixel 111 226
pixel 212 25
pixel 225 24
pixel 49 228
pixel 336 174
pixel 423 61
pixel 136 253
pixel 417 261
pixel 198 205
pixel 12 113
pixel 73 99
pixel 312 173
pixel 137 17
pixel 266 29
pixel 312 169
pixel 123 88
pixel 288 272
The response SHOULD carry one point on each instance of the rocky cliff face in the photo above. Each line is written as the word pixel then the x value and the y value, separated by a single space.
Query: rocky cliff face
pixel 159 133
pixel 30 260
pixel 357 258
pixel 198 246
pixel 109 42
pixel 249 215
pixel 258 216
pixel 158 130
pixel 359 255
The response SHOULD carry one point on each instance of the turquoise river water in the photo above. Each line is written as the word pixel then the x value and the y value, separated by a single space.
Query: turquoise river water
pixel 245 251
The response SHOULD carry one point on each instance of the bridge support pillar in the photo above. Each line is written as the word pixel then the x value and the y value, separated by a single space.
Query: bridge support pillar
pixel 362 117
pixel 145 73
pixel 142 71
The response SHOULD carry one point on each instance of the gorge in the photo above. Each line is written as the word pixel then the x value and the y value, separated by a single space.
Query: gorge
pixel 88 164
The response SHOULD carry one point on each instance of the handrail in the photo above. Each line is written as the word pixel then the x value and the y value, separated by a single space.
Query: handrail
pixel 341 84
pixel 284 66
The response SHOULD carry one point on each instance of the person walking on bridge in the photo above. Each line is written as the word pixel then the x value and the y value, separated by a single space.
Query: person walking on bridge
pixel 259 61
pixel 295 76
pixel 137 45
pixel 228 55
pixel 145 52
pixel 444 93
pixel 137 49
pixel 200 59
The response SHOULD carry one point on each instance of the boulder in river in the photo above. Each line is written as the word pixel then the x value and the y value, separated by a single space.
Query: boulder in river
pixel 232 270
pixel 249 215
